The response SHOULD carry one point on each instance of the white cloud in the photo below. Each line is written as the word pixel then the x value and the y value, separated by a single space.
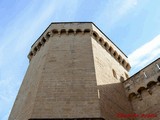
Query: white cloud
pixel 145 54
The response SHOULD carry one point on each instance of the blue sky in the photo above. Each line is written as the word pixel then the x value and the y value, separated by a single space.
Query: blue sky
pixel 133 25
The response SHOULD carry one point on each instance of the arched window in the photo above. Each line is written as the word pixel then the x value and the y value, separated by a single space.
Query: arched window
pixel 114 74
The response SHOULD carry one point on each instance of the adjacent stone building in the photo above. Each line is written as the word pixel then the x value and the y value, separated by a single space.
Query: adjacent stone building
pixel 143 91
pixel 77 72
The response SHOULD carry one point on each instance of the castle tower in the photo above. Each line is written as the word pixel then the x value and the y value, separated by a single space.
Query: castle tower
pixel 75 72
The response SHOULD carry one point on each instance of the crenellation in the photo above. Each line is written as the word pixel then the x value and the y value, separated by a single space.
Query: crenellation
pixel 78 72
pixel 95 35
pixel 144 81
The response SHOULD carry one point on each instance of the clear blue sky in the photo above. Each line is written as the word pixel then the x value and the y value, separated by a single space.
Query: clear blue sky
pixel 133 25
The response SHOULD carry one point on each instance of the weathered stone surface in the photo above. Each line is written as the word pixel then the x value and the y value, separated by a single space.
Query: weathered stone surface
pixel 143 91
pixel 76 72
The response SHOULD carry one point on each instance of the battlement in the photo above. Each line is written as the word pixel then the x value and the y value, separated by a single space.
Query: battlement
pixel 144 80
pixel 75 29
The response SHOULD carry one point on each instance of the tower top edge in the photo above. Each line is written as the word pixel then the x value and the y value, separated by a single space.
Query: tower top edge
pixel 90 23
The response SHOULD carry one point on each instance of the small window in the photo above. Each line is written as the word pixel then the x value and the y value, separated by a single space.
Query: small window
pixel 114 74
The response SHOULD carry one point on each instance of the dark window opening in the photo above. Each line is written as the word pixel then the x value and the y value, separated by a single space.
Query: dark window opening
pixel 114 74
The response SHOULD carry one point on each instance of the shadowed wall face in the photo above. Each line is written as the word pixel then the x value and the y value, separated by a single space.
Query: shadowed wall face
pixel 111 92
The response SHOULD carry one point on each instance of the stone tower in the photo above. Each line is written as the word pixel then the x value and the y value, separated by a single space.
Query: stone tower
pixel 75 72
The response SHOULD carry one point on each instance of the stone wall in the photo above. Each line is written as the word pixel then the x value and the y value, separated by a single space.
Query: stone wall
pixel 74 73
pixel 111 92
pixel 142 89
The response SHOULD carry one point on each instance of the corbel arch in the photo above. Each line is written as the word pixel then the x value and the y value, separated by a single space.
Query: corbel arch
pixel 48 35
pixel 106 45
pixel 39 45
pixel 43 40
pixel 70 31
pixel 151 84
pixel 141 89
pixel 78 31
pixel 95 35
pixel 63 31
pixel 86 31
pixel 101 41
pixel 132 96
pixel 110 50
pixel 119 58
pixel 55 31
pixel 115 54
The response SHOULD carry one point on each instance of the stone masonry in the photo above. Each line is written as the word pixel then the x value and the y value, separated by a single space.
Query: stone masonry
pixel 142 90
pixel 76 72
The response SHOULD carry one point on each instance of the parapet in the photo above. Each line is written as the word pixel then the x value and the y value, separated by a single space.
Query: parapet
pixel 145 79
pixel 80 28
